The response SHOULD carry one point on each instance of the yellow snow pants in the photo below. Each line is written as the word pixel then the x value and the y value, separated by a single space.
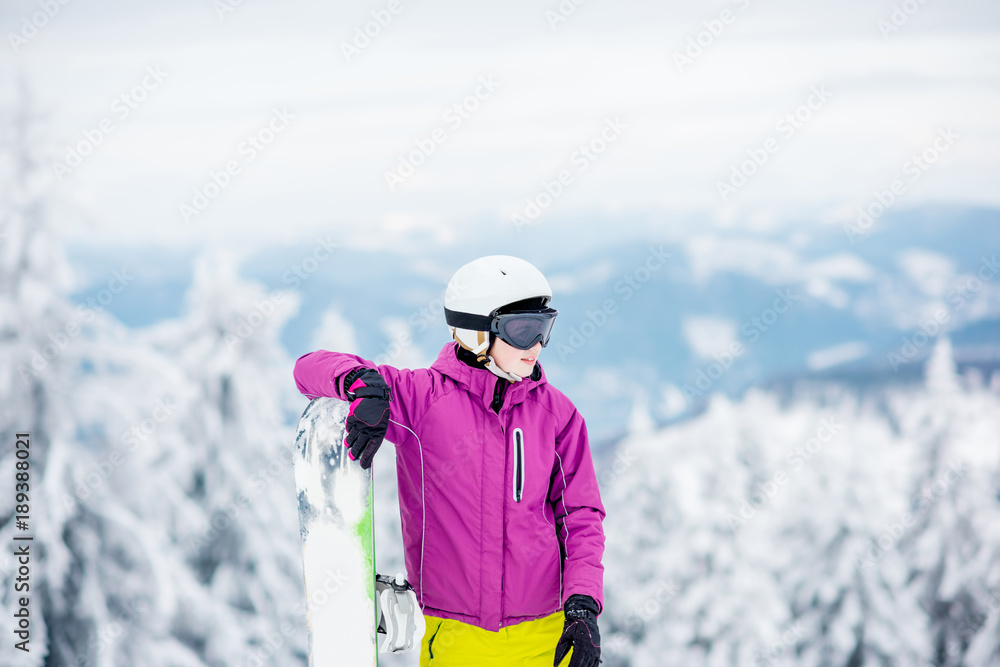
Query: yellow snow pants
pixel 451 643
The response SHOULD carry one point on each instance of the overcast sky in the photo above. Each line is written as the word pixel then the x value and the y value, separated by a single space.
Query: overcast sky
pixel 883 87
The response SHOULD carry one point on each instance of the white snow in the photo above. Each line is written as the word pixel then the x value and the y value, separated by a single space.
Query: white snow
pixel 831 356
pixel 672 401
pixel 840 266
pixel 708 335
pixel 770 521
pixel 162 503
pixel 772 263
pixel 825 290
pixel 399 349
pixel 931 272
pixel 776 263
pixel 640 420
pixel 334 333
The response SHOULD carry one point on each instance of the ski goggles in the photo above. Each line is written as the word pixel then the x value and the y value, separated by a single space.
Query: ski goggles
pixel 523 328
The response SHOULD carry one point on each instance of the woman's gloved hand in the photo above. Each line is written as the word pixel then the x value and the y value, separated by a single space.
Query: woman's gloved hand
pixel 580 631
pixel 368 417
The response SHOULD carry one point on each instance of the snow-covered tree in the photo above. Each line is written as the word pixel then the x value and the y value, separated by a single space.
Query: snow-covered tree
pixel 956 549
pixel 161 493
pixel 230 464
pixel 837 528
pixel 49 349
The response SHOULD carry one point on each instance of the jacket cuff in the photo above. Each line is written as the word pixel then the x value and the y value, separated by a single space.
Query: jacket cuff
pixel 581 601
pixel 351 376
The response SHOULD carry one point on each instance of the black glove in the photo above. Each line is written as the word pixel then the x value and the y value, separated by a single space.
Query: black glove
pixel 368 418
pixel 580 631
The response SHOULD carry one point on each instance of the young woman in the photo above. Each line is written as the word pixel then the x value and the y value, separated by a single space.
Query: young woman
pixel 501 512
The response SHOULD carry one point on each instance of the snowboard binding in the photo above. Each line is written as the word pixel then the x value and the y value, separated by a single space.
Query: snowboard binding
pixel 399 615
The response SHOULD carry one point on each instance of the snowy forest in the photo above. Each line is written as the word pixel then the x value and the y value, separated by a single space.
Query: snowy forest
pixel 823 527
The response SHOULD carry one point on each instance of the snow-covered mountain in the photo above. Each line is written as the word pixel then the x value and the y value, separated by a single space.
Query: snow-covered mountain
pixel 651 315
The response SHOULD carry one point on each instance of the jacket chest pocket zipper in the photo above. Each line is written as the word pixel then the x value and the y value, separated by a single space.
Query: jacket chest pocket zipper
pixel 518 464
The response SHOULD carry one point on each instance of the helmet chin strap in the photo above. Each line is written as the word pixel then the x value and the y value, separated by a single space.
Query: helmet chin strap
pixel 492 366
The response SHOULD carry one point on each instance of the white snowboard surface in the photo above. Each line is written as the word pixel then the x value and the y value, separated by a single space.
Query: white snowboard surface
pixel 335 519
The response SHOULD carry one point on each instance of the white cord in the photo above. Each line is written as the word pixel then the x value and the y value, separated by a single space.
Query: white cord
pixel 423 509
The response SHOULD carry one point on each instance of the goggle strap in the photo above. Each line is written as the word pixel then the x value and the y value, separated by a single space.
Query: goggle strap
pixel 467 320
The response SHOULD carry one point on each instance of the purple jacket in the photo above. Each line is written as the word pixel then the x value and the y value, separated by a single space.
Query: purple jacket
pixel 482 535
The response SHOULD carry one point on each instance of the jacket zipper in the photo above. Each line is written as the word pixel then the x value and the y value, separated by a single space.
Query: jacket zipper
pixel 498 391
pixel 518 465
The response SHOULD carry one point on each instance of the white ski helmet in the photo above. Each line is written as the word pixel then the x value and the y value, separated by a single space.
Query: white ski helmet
pixel 484 286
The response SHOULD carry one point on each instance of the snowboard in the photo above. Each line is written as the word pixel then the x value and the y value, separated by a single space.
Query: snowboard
pixel 338 539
